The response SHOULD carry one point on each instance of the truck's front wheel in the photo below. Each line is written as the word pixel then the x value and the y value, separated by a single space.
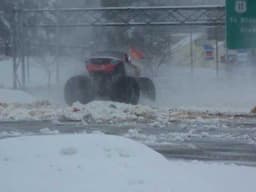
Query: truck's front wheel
pixel 78 88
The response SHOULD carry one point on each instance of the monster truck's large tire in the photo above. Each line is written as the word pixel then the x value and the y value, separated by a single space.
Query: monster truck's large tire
pixel 78 88
pixel 147 88
pixel 126 90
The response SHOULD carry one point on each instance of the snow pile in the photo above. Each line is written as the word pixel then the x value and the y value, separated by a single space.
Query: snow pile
pixel 15 96
pixel 108 163
pixel 40 110
pixel 81 163
pixel 111 112
pixel 19 106
pixel 214 177
pixel 100 112
pixel 106 112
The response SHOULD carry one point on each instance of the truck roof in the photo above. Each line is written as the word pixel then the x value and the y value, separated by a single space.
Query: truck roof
pixel 110 54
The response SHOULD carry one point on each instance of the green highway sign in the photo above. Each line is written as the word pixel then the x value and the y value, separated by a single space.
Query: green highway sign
pixel 241 24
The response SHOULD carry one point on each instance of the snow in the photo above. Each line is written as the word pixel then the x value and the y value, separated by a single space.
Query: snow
pixel 39 110
pixel 110 112
pixel 176 87
pixel 96 162
pixel 15 96
pixel 80 163
pixel 202 90
pixel 214 177
pixel 96 112
pixel 20 106
pixel 42 71
pixel 100 112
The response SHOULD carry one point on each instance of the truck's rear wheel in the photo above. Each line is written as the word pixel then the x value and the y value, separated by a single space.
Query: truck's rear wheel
pixel 126 90
pixel 78 88
pixel 147 88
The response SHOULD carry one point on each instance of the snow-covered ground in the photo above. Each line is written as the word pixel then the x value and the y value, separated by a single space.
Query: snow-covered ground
pixel 80 163
pixel 230 91
pixel 99 163
pixel 17 105
pixel 201 124
pixel 17 96
pixel 42 71
pixel 233 90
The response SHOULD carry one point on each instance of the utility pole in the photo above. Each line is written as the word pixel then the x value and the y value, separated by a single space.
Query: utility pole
pixel 217 51
pixel 57 47
pixel 22 49
pixel 14 47
pixel 191 51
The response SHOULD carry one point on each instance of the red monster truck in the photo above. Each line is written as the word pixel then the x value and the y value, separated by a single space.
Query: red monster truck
pixel 112 77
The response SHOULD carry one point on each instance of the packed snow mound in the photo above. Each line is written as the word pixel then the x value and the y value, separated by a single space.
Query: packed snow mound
pixel 15 96
pixel 106 112
pixel 111 112
pixel 81 163
pixel 39 110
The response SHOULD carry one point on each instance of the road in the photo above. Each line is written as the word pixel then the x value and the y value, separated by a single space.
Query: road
pixel 232 141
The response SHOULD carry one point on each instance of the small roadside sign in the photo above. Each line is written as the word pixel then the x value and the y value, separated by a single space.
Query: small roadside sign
pixel 208 49
pixel 241 24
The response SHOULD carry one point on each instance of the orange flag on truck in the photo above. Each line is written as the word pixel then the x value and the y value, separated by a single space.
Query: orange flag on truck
pixel 136 54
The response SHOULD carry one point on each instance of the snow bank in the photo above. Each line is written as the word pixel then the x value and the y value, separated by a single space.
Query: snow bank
pixel 94 112
pixel 113 112
pixel 108 163
pixel 105 112
pixel 40 110
pixel 81 163
pixel 15 96
pixel 42 71
pixel 214 177
pixel 230 91
pixel 19 105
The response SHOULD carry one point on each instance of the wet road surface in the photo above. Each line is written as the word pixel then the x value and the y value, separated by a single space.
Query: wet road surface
pixel 230 140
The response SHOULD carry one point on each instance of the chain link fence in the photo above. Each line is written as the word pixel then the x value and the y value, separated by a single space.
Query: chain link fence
pixel 57 41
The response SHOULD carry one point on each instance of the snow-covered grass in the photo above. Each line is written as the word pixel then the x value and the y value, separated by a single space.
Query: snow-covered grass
pixel 15 96
pixel 108 163
pixel 230 91
pixel 6 73
pixel 42 71
pixel 18 105
pixel 233 90
pixel 99 163
pixel 104 112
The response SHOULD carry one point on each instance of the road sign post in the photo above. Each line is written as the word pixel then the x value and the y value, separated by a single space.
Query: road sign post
pixel 241 24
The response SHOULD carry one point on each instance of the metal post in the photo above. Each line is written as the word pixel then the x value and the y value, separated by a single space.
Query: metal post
pixel 22 46
pixel 217 52
pixel 28 69
pixel 14 45
pixel 191 52
pixel 57 49
pixel 27 56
